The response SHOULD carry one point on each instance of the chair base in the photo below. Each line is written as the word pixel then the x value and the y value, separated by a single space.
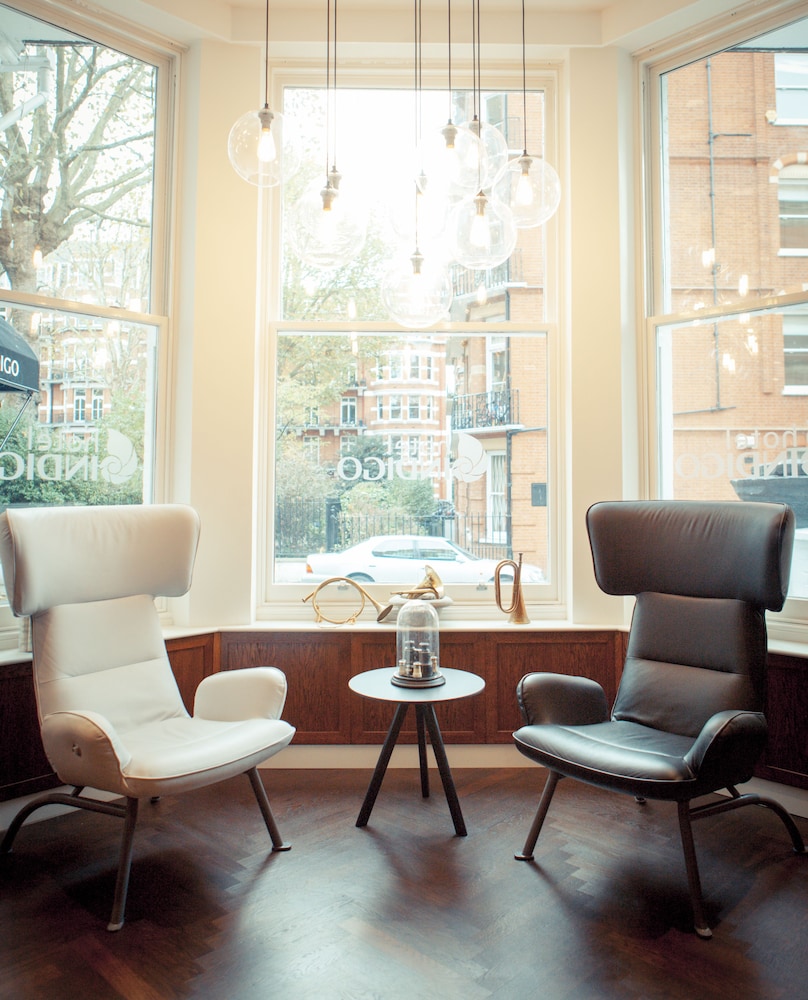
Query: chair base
pixel 128 811
pixel 687 813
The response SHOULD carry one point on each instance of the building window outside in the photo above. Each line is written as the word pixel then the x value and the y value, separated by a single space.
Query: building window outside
pixel 795 354
pixel 348 411
pixel 98 404
pixel 414 407
pixel 731 370
pixel 496 499
pixel 311 448
pixel 79 405
pixel 792 197
pixel 791 83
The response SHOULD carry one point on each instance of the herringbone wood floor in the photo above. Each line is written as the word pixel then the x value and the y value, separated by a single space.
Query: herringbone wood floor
pixel 403 909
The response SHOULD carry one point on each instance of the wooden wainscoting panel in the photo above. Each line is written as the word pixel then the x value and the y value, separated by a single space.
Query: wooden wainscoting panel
pixel 595 654
pixel 786 756
pixel 192 658
pixel 24 768
pixel 317 667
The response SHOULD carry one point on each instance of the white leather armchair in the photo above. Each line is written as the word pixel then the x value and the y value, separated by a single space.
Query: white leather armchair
pixel 110 712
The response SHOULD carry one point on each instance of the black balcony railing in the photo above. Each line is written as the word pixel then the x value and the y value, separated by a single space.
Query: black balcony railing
pixel 499 408
pixel 511 272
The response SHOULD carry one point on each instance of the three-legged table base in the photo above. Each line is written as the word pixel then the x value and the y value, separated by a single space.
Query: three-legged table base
pixel 426 722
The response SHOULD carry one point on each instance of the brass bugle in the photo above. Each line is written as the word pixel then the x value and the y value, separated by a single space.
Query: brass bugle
pixel 517 615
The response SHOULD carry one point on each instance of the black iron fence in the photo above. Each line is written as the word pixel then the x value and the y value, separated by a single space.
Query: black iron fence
pixel 306 526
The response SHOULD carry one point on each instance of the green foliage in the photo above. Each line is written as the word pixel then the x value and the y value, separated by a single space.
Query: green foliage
pixel 296 477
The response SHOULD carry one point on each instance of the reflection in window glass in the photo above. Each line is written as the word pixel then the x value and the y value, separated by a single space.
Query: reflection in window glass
pixel 732 372
pixel 467 474
pixel 87 437
pixel 735 187
pixel 728 430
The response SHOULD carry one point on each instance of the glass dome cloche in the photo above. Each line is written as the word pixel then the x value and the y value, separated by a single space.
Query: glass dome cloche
pixel 417 646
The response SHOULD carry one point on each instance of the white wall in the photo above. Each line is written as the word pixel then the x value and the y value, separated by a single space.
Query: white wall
pixel 215 328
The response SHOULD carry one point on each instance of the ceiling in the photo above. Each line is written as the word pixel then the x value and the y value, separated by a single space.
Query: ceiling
pixel 632 24
pixel 297 27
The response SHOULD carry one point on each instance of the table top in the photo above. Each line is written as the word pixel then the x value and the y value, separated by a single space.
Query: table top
pixel 378 684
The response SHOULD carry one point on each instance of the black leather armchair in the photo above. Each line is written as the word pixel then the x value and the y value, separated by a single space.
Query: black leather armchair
pixel 688 718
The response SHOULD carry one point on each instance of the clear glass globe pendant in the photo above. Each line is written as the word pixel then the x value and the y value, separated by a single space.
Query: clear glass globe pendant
pixel 483 233
pixel 417 293
pixel 530 188
pixel 327 226
pixel 449 162
pixel 261 149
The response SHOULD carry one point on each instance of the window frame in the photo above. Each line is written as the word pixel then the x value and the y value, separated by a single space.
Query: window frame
pixel 283 600
pixel 96 27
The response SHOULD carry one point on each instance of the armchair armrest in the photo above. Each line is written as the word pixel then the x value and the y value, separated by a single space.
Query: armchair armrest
pixel 84 749
pixel 561 700
pixel 728 747
pixel 235 695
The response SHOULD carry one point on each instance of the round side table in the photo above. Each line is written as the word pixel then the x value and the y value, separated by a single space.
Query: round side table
pixel 377 684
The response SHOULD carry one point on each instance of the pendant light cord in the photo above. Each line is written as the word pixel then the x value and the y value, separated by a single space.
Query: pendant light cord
pixel 524 86
pixel 418 80
pixel 327 86
pixel 266 59
pixel 451 106
pixel 334 143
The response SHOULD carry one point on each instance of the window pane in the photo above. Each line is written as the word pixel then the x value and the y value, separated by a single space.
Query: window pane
pixel 733 415
pixel 472 472
pixel 726 215
pixel 76 167
pixel 61 451
pixel 376 141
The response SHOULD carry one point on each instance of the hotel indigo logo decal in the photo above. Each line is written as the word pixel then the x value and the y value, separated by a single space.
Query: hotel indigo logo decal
pixel 52 456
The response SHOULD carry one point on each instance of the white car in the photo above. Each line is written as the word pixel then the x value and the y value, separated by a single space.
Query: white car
pixel 400 560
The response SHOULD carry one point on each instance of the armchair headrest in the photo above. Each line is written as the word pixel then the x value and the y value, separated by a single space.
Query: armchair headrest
pixel 735 550
pixel 75 555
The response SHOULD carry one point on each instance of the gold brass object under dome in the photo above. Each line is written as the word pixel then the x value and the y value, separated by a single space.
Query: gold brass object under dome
pixel 417 646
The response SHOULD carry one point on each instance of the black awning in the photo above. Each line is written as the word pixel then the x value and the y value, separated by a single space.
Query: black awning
pixel 19 366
